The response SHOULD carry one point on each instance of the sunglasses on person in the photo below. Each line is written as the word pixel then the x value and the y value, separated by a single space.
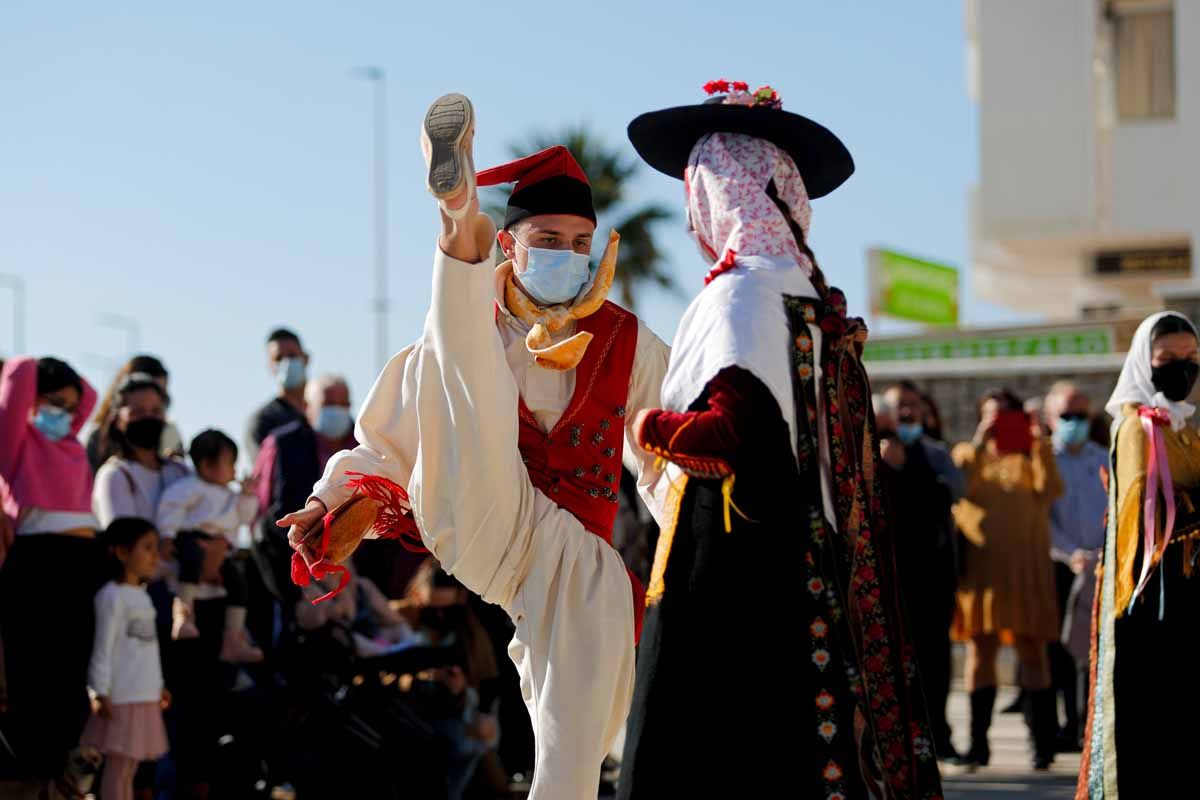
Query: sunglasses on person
pixel 1074 415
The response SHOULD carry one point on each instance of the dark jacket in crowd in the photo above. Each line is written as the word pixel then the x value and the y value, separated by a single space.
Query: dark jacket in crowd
pixel 275 414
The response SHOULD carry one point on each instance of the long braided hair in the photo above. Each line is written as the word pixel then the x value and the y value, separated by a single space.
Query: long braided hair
pixel 818 277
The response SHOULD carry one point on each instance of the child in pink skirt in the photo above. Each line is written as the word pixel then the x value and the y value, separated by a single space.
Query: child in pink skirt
pixel 125 673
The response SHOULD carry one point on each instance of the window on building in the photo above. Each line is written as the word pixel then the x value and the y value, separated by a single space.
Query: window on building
pixel 1144 32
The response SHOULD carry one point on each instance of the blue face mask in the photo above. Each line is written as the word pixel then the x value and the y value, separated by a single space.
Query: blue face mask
pixel 1071 432
pixel 289 373
pixel 910 432
pixel 334 422
pixel 53 422
pixel 553 276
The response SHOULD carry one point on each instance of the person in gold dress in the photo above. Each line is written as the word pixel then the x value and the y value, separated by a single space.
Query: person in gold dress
pixel 1006 594
pixel 1145 647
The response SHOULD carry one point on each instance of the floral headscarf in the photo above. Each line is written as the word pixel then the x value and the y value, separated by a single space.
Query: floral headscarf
pixel 729 211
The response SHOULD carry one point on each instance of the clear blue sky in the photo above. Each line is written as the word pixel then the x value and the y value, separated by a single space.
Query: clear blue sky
pixel 207 170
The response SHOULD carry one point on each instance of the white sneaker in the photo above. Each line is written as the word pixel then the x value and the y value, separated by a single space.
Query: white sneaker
pixel 446 143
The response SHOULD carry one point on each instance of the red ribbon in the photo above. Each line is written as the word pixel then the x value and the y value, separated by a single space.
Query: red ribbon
pixel 303 572
pixel 1158 475
pixel 394 521
pixel 727 263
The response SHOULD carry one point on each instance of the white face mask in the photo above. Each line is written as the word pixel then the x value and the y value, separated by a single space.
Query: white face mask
pixel 290 373
pixel 553 276
pixel 334 422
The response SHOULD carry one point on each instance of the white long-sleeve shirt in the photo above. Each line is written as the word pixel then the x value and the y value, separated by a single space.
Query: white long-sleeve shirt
pixel 194 504
pixel 441 420
pixel 125 666
pixel 125 488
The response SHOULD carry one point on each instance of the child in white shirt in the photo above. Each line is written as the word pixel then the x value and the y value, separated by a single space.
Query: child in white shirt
pixel 125 673
pixel 203 515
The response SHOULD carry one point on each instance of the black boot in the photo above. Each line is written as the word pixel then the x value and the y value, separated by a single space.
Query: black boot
pixel 982 703
pixel 1041 716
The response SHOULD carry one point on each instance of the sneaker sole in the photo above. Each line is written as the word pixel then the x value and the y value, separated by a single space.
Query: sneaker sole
pixel 447 123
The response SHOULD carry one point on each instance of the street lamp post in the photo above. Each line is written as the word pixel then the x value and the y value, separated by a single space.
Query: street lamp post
pixel 17 285
pixel 378 77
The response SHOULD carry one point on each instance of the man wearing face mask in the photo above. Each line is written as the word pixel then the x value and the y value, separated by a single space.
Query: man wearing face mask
pixel 1076 537
pixel 288 464
pixel 581 385
pixel 926 484
pixel 586 405
pixel 288 363
pixel 506 426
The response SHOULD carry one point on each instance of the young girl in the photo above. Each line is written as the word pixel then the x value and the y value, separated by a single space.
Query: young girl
pixel 125 673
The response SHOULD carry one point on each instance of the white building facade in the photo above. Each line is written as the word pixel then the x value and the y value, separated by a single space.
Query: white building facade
pixel 1088 204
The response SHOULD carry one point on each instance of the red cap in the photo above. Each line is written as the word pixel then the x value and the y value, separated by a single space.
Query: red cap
pixel 549 163
pixel 549 182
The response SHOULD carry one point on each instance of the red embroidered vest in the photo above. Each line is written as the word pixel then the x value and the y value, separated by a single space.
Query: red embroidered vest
pixel 578 464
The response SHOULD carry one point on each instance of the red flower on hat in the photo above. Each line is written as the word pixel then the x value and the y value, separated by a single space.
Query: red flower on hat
pixel 717 87
pixel 740 86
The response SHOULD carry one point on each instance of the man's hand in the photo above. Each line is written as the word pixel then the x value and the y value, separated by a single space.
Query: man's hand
pixel 299 523
pixel 165 702
pixel 891 449
pixel 103 706
pixel 1079 561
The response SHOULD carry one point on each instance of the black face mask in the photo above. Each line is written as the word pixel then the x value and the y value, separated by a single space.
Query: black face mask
pixel 145 433
pixel 1175 379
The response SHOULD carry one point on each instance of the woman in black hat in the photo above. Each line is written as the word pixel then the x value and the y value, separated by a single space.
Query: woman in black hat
pixel 772 598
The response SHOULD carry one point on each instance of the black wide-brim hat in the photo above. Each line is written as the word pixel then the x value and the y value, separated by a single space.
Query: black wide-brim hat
pixel 664 139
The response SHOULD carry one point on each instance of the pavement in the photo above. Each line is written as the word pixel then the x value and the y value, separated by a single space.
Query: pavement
pixel 1009 775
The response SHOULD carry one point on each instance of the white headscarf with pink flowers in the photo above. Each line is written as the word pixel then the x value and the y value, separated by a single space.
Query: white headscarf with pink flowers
pixel 738 319
pixel 728 207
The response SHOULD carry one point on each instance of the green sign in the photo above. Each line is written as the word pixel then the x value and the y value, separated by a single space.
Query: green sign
pixel 913 289
pixel 1081 341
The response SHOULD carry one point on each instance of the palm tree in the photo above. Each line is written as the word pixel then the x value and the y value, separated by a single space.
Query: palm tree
pixel 609 170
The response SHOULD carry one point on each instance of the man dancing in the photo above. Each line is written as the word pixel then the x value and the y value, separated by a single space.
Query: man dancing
pixel 510 446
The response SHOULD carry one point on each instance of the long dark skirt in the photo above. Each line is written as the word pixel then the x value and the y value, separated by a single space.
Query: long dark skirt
pixel 47 622
pixel 736 696
pixel 774 662
pixel 1154 682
